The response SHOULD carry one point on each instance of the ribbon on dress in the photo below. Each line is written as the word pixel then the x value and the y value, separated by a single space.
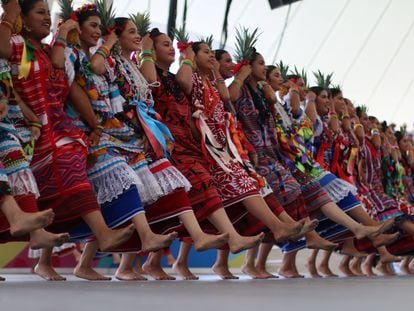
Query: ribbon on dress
pixel 156 132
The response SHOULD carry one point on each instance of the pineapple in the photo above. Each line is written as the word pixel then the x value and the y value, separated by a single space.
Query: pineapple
pixel 107 15
pixel 207 40
pixel 284 69
pixel 181 35
pixel 65 14
pixel 301 74
pixel 142 21
pixel 245 41
pixel 322 80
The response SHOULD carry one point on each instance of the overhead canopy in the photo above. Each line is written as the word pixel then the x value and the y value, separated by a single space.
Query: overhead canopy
pixel 367 44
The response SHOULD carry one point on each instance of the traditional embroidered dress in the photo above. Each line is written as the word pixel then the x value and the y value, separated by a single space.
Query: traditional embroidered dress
pixel 139 114
pixel 114 181
pixel 59 158
pixel 259 128
pixel 15 159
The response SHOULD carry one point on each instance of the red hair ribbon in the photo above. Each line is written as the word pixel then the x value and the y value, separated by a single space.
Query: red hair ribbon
pixel 73 16
pixel 183 46
pixel 294 80
pixel 239 65
pixel 114 28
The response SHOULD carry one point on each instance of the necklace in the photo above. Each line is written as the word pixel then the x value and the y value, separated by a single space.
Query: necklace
pixel 210 98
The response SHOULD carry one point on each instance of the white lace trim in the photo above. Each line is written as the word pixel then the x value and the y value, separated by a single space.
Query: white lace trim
pixel 113 183
pixel 338 189
pixel 151 190
pixel 23 182
pixel 35 253
pixel 170 178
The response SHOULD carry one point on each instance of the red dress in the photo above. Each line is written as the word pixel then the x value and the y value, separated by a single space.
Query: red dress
pixel 59 159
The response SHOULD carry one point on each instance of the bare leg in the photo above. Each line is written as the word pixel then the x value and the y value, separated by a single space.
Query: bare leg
pixel 404 265
pixel 138 265
pixel 116 258
pixel 264 251
pixel 355 266
pixel 288 267
pixel 125 271
pixel 281 231
pixel 22 223
pixel 333 212
pixel 221 267
pixel 150 241
pixel 249 266
pixel 84 269
pixel 170 259
pixel 44 267
pixel 180 265
pixel 153 267
pixel 368 264
pixel 344 266
pixel 202 241
pixel 385 269
pixel 323 266
pixel 107 239
pixel 237 243
pixel 311 264
pixel 411 266
pixel 407 226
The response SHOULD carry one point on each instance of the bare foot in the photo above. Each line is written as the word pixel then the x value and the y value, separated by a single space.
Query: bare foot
pixel 224 273
pixel 89 274
pixel 344 268
pixel 42 239
pixel 313 272
pixel 253 272
pixel 157 272
pixel 350 250
pixel 155 242
pixel 317 242
pixel 385 269
pixel 242 243
pixel 28 222
pixel 129 275
pixel 355 267
pixel 308 226
pixel 208 241
pixel 183 271
pixel 114 238
pixel 266 273
pixel 326 271
pixel 388 258
pixel 48 273
pixel 384 239
pixel 290 273
pixel 288 232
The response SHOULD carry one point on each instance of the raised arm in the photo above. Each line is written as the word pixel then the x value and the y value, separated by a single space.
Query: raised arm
pixel 184 74
pixel 237 84
pixel 58 50
pixel 11 12
pixel 98 59
pixel 147 66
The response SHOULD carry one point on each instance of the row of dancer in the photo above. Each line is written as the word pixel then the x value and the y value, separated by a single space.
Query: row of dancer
pixel 131 156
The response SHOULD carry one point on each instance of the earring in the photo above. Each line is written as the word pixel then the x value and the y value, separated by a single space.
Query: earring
pixel 27 29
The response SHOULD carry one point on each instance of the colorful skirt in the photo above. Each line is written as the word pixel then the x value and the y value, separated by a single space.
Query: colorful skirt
pixel 64 186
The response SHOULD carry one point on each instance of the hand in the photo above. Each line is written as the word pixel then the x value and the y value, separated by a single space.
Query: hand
pixel 111 39
pixel 188 53
pixel 11 10
pixel 310 96
pixel 147 43
pixel 244 72
pixel 69 25
pixel 170 146
pixel 3 109
pixel 35 132
pixel 94 138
